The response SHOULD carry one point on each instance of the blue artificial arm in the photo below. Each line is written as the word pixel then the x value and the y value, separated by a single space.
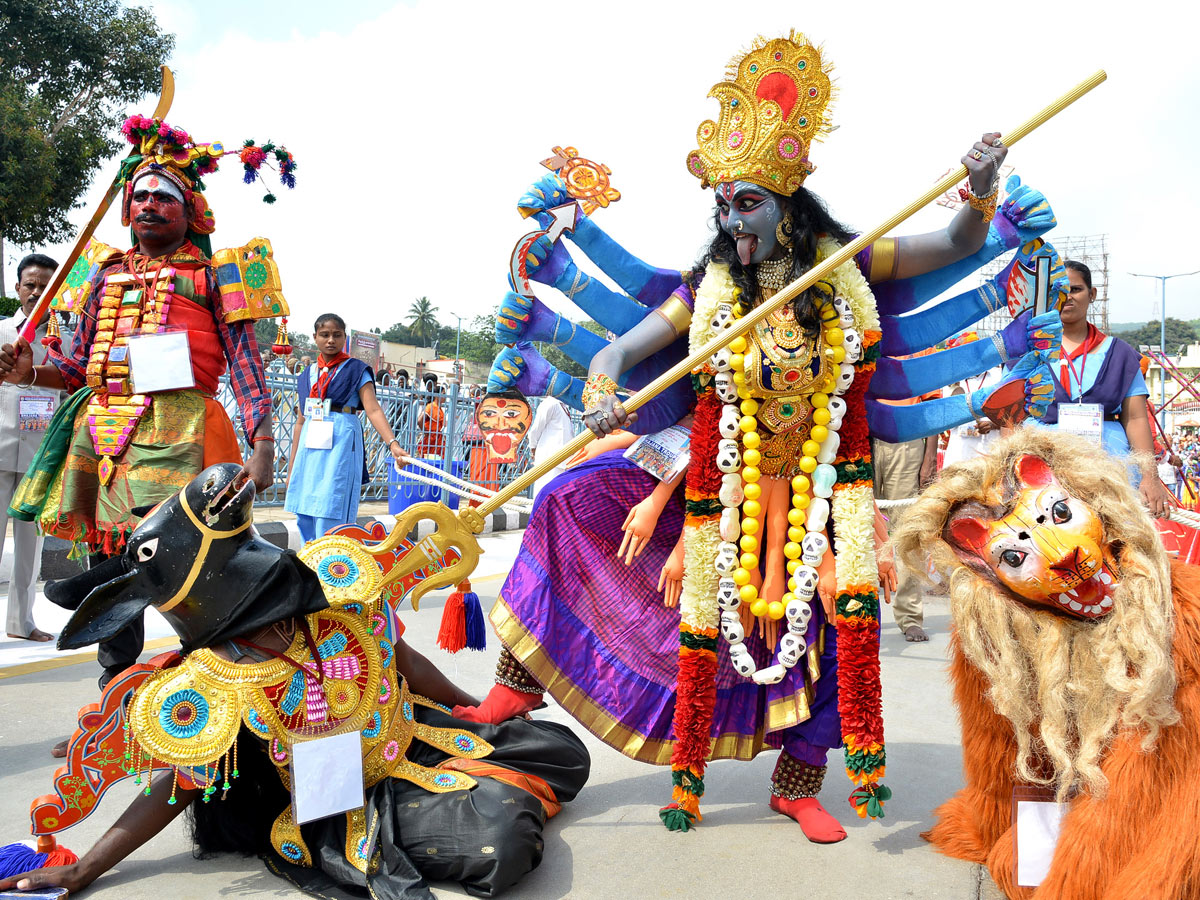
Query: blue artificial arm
pixel 648 284
pixel 898 379
pixel 550 263
pixel 528 319
pixel 903 335
pixel 522 367
pixel 1024 216
pixel 1030 384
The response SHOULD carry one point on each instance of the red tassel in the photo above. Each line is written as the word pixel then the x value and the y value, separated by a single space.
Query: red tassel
pixel 452 635
pixel 56 855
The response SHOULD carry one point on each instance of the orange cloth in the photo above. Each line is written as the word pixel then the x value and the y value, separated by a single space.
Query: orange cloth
pixel 220 440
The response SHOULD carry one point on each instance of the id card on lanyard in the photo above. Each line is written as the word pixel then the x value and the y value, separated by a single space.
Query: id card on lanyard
pixel 1077 417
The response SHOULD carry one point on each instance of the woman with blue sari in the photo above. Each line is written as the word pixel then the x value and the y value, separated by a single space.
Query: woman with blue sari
pixel 328 464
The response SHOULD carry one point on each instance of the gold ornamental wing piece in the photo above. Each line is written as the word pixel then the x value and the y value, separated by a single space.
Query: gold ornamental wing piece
pixel 248 279
pixel 73 294
pixel 774 103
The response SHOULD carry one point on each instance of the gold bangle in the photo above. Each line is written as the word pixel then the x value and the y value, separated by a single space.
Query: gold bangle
pixel 596 388
pixel 986 205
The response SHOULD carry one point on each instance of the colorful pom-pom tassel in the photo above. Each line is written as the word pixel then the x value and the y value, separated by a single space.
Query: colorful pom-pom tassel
pixel 25 856
pixel 463 624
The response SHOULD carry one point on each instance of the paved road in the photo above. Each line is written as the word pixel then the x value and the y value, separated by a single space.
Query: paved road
pixel 608 843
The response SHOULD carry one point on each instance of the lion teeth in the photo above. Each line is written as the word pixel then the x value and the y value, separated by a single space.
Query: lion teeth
pixel 1075 605
pixel 1106 602
pixel 1071 593
pixel 1105 578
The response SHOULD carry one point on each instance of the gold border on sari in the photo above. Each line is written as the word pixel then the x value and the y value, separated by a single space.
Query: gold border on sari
pixel 781 713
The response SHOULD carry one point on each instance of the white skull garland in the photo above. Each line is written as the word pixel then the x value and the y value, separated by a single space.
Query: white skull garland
pixel 807 544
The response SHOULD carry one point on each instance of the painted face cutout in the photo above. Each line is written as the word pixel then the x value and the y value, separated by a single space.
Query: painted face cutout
pixel 749 214
pixel 504 422
pixel 1050 550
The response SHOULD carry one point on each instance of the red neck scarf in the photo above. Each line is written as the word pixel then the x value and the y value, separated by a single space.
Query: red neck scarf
pixel 325 371
pixel 1095 337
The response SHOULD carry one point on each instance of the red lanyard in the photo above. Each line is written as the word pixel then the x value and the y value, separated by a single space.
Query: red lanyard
pixel 325 375
pixel 1069 364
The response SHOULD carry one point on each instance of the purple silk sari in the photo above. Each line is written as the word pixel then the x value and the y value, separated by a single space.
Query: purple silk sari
pixel 596 635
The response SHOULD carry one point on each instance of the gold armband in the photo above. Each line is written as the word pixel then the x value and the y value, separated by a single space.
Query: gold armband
pixel 676 314
pixel 985 205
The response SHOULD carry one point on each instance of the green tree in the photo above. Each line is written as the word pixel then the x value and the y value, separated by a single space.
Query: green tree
pixel 71 69
pixel 1179 334
pixel 422 319
pixel 398 334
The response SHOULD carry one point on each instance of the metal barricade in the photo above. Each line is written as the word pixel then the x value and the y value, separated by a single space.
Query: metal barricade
pixel 403 407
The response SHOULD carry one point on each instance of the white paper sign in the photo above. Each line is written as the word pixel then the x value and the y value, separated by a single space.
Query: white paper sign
pixel 1038 823
pixel 1083 419
pixel 318 434
pixel 327 776
pixel 160 362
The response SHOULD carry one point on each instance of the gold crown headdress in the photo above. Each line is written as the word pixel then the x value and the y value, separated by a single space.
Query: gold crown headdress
pixel 774 103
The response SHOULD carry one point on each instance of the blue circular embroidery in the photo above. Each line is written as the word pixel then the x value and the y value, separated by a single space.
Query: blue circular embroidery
pixel 444 780
pixel 464 742
pixel 291 851
pixel 338 570
pixel 385 648
pixel 184 714
pixel 256 723
pixel 372 730
pixel 360 849
pixel 407 711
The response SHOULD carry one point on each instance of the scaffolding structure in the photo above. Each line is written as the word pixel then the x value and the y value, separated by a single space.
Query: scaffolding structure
pixel 1091 250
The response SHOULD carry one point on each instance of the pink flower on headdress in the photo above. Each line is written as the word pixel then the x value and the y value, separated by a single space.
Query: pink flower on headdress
pixel 252 156
pixel 164 129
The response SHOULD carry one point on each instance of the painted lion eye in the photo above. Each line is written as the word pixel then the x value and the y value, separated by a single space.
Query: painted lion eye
pixel 1061 512
pixel 1012 558
pixel 146 551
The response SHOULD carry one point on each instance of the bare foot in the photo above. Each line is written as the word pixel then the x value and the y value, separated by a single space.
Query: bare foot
pixel 915 634
pixel 817 824
pixel 59 750
pixel 36 635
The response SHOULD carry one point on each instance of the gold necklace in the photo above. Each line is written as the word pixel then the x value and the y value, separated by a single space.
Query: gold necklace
pixel 774 274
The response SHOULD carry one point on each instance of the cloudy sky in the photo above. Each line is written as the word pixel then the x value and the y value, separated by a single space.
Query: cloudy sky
pixel 417 125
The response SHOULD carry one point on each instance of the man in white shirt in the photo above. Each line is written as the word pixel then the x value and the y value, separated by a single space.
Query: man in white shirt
pixel 552 429
pixel 24 414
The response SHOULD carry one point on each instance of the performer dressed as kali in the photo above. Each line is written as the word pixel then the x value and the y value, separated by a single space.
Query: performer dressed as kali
pixel 780 468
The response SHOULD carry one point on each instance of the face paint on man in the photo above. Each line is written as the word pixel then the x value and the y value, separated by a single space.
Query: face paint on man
pixel 157 211
pixel 504 421
pixel 750 214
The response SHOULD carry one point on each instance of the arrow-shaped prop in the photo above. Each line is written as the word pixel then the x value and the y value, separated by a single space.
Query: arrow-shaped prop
pixel 565 217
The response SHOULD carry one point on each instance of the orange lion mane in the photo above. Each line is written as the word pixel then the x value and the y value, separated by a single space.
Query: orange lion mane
pixel 1105 712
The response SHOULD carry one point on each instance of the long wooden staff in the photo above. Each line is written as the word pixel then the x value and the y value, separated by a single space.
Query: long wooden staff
pixel 815 274
pixel 165 96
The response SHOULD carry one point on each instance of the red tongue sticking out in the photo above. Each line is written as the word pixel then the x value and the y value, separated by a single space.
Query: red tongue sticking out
pixel 746 245
pixel 501 444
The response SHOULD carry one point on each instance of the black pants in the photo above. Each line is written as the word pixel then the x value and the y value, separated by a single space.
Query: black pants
pixel 122 650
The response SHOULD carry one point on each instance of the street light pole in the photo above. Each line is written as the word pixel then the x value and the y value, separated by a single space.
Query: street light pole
pixel 457 344
pixel 1162 341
